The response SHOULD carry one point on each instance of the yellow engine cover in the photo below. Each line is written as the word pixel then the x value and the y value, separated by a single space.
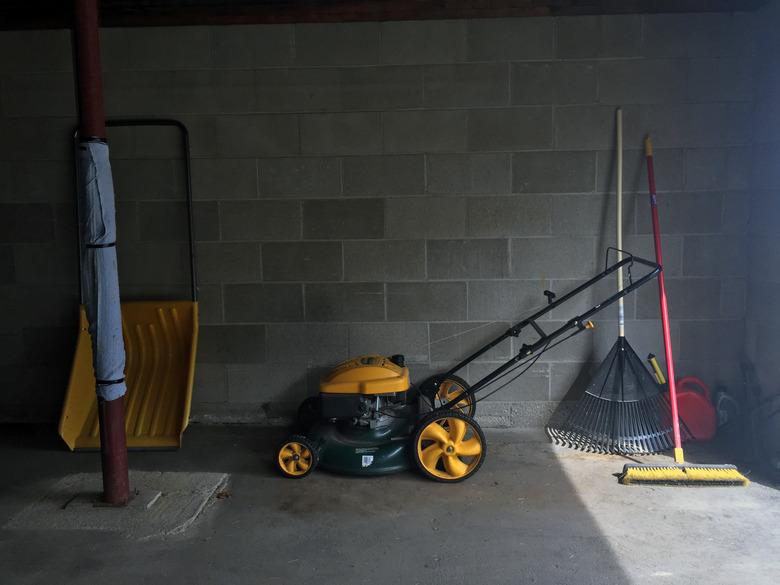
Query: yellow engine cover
pixel 367 374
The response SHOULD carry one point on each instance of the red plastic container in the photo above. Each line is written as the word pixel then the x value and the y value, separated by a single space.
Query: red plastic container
pixel 696 409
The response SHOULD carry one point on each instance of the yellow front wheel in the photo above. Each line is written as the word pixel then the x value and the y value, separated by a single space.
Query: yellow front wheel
pixel 448 446
pixel 296 457
pixel 452 387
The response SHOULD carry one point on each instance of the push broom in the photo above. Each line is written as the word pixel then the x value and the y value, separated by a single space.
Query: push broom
pixel 622 410
pixel 680 473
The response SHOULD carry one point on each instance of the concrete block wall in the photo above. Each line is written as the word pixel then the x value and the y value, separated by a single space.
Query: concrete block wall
pixel 763 317
pixel 399 187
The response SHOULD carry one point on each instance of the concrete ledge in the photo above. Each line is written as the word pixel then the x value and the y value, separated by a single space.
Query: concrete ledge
pixel 163 504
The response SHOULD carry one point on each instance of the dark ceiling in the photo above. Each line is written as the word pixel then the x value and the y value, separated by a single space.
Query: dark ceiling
pixel 16 14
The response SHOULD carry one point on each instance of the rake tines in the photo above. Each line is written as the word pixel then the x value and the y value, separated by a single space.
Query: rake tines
pixel 623 410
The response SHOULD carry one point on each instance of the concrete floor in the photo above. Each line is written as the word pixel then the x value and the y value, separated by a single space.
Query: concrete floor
pixel 533 514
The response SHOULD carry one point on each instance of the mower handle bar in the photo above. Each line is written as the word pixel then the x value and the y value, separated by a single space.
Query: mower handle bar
pixel 579 322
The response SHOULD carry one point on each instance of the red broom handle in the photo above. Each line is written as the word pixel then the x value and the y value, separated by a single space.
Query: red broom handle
pixel 662 295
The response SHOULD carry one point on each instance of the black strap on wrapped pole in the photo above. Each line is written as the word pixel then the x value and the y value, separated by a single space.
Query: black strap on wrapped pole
pixel 99 275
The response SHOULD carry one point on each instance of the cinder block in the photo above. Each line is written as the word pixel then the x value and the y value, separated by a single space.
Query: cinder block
pixel 38 94
pixel 478 84
pixel 409 339
pixel 7 270
pixel 665 35
pixel 163 221
pixel 39 306
pixel 237 344
pixel 667 124
pixel 689 298
pixel 345 302
pixel 508 216
pixel 450 259
pixel 30 139
pixel 564 82
pixel 210 304
pixel 733 300
pixel 268 384
pixel 682 213
pixel 148 179
pixel 302 261
pixel 531 414
pixel 132 93
pixel 205 221
pixel 719 124
pixel 252 46
pixel 593 127
pixel 668 164
pixel 307 344
pixel 260 220
pixel 569 379
pixel 301 177
pixel 452 342
pixel 468 173
pixel 385 260
pixel 149 266
pixel 425 217
pixel 36 181
pixel 53 346
pixel 353 43
pixel 644 247
pixel 224 178
pixel 509 129
pixel 736 213
pixel 343 219
pixel 718 168
pixel 714 35
pixel 510 39
pixel 553 172
pixel 720 80
pixel 592 214
pixel 384 175
pixel 582 37
pixel 532 385
pixel 159 47
pixel 709 341
pixel 52 50
pixel 424 131
pixel 351 133
pixel 258 303
pixel 26 222
pixel 423 41
pixel 426 301
pixel 203 136
pixel 256 135
pixel 636 82
pixel 210 384
pixel 339 89
pixel 555 257
pixel 228 262
pixel 766 171
pixel 715 256
pixel 507 300
pixel 49 263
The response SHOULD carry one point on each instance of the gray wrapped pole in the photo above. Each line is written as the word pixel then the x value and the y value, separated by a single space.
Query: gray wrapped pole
pixel 99 275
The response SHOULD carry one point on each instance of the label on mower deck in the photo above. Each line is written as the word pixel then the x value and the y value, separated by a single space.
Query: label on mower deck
pixel 367 460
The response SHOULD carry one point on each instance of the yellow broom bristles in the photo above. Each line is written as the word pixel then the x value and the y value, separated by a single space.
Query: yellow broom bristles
pixel 682 474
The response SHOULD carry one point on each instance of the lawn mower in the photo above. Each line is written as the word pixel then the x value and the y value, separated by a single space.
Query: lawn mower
pixel 369 420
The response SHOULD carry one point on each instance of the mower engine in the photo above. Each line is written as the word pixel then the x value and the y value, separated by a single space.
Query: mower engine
pixel 370 391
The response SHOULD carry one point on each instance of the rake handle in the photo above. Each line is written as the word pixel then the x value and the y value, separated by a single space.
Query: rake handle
pixel 664 305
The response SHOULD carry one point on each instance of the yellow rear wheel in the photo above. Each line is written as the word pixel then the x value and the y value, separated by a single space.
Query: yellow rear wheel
pixel 451 388
pixel 296 457
pixel 448 446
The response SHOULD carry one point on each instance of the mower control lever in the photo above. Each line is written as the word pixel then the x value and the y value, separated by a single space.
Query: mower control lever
pixel 550 296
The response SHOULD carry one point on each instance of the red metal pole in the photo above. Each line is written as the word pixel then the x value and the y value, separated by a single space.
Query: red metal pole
pixel 92 124
pixel 678 454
